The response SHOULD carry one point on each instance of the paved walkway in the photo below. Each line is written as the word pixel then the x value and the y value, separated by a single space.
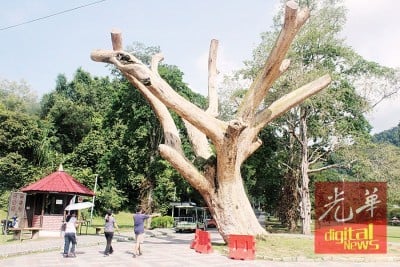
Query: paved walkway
pixel 162 248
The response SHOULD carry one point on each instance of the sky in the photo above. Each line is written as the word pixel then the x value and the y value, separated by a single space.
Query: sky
pixel 38 51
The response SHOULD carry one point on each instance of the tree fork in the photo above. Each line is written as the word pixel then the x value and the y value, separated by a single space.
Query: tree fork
pixel 221 184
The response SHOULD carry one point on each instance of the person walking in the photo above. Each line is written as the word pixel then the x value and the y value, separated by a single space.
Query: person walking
pixel 109 227
pixel 70 236
pixel 138 221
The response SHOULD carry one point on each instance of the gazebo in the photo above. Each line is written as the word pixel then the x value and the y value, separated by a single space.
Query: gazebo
pixel 47 198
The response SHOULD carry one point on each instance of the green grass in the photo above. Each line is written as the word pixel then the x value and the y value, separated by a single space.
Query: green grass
pixel 123 219
pixel 278 247
pixel 393 234
pixel 289 247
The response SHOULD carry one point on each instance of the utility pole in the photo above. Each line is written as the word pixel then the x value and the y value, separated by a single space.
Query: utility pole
pixel 94 191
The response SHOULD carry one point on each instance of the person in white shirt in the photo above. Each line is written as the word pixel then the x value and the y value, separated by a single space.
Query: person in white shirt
pixel 70 236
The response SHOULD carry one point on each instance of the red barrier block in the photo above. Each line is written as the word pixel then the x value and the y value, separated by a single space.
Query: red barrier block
pixel 204 243
pixel 196 239
pixel 242 247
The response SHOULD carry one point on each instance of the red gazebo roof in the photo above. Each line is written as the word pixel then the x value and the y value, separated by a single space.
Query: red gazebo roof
pixel 60 182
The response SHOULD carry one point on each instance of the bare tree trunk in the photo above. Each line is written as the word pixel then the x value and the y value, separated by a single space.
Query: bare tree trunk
pixel 233 214
pixel 305 202
pixel 290 198
pixel 289 208
pixel 219 181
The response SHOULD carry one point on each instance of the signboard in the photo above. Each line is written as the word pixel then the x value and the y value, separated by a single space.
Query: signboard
pixel 350 217
pixel 16 206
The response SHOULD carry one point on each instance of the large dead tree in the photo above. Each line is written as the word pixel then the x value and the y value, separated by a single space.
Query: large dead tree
pixel 219 180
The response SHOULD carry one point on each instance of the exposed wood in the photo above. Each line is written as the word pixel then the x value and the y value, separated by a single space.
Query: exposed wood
pixel 129 64
pixel 116 40
pixel 272 68
pixel 201 147
pixel 292 99
pixel 219 179
pixel 171 134
pixel 212 79
pixel 185 167
pixel 155 60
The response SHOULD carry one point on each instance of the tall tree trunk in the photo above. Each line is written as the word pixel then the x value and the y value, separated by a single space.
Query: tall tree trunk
pixel 290 193
pixel 305 202
pixel 289 208
pixel 231 208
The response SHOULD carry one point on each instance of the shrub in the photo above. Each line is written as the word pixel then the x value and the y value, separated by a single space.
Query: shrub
pixel 162 222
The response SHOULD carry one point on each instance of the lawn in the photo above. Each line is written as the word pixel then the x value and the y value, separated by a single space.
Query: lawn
pixel 124 221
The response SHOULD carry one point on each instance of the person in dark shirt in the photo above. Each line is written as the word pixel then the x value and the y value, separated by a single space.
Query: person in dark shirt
pixel 138 220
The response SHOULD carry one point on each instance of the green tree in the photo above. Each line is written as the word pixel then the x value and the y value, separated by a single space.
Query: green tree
pixel 20 136
pixel 74 113
pixel 25 140
pixel 262 172
pixel 329 120
pixel 18 97
pixel 372 162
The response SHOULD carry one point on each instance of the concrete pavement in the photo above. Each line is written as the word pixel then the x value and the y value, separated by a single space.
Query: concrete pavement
pixel 162 248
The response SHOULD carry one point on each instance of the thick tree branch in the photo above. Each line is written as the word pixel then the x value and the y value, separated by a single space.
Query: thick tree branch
pixel 130 65
pixel 172 150
pixel 116 40
pixel 290 100
pixel 185 168
pixel 274 65
pixel 171 133
pixel 248 150
pixel 212 79
pixel 155 60
pixel 201 147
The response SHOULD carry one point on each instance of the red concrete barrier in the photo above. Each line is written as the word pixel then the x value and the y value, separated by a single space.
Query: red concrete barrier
pixel 204 243
pixel 196 239
pixel 242 247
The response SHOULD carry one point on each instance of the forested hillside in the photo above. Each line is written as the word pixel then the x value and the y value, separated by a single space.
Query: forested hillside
pixel 391 136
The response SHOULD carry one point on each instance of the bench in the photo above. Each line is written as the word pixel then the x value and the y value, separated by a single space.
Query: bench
pixel 17 232
pixel 98 229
